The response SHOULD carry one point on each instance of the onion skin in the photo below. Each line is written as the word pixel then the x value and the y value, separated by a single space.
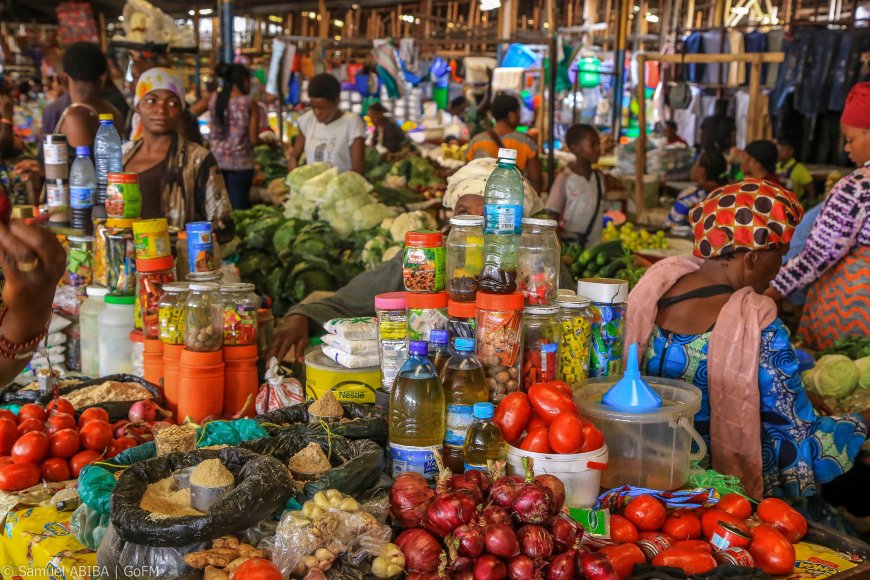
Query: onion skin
pixel 521 568
pixel 495 514
pixel 500 540
pixel 480 478
pixel 535 542
pixel 462 565
pixel 468 485
pixel 144 410
pixel 422 551
pixel 563 567
pixel 504 491
pixel 469 541
pixel 533 504
pixel 488 567
pixel 564 533
pixel 464 575
pixel 595 566
pixel 410 497
pixel 448 511
pixel 557 490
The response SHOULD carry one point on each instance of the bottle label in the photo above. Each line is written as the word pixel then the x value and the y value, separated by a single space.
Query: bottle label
pixel 81 197
pixel 503 219
pixel 55 154
pixel 56 195
pixel 459 419
pixel 392 330
pixel 471 466
pixel 414 459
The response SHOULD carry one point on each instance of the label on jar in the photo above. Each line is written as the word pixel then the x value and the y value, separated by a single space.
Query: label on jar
pixel 459 419
pixel 55 154
pixel 499 335
pixel 392 330
pixel 81 197
pixel 422 321
pixel 574 350
pixel 240 325
pixel 171 320
pixel 414 459
pixel 503 219
pixel 423 269
pixel 606 341
pixel 123 197
pixel 56 194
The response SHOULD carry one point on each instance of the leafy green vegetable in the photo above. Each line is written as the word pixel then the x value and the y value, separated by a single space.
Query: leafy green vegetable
pixel 863 365
pixel 306 278
pixel 836 376
pixel 297 177
pixel 284 238
pixel 854 347
pixel 259 235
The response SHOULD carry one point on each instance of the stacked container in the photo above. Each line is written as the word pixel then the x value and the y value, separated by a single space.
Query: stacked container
pixel 240 328
pixel 202 372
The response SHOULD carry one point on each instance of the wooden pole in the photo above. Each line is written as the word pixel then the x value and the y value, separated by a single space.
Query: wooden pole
pixel 755 127
pixel 640 149
pixel 104 40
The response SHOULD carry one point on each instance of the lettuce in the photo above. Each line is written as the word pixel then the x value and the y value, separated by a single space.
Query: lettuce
pixel 836 376
pixel 863 365
pixel 297 178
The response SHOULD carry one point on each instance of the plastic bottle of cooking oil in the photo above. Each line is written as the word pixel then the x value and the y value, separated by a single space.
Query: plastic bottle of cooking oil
pixel 439 352
pixel 484 441
pixel 464 386
pixel 416 414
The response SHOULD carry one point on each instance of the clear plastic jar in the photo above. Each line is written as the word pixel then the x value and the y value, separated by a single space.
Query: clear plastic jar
pixel 137 353
pixel 426 312
pixel 392 335
pixel 80 264
pixel 240 314
pixel 461 321
pixel 172 311
pixel 499 341
pixel 204 319
pixel 116 323
pixel 151 275
pixel 120 258
pixel 541 334
pixel 540 261
pixel 575 320
pixel 464 257
pixel 609 298
pixel 90 331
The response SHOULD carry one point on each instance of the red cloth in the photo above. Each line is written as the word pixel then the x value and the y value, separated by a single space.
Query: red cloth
pixel 857 110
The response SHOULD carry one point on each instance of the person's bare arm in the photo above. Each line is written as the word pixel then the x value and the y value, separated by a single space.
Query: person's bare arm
pixel 535 173
pixel 254 125
pixel 358 156
pixel 6 135
pixel 80 127
pixel 295 152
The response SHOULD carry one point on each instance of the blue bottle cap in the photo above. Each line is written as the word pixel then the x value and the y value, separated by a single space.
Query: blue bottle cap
pixel 465 344
pixel 419 347
pixel 83 151
pixel 484 410
pixel 439 337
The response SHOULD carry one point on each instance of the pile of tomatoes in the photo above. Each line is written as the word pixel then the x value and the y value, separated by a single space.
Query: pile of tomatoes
pixel 49 444
pixel 690 533
pixel 548 418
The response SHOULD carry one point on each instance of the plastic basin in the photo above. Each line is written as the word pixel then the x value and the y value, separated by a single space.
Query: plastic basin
pixel 651 449
pixel 579 472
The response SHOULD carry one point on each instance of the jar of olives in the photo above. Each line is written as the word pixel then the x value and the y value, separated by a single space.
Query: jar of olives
pixel 204 320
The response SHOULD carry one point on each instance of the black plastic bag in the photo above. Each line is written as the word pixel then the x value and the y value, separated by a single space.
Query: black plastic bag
pixel 356 465
pixel 16 395
pixel 263 486
pixel 366 421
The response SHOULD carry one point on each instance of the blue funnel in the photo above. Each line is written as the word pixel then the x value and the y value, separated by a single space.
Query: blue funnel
pixel 631 393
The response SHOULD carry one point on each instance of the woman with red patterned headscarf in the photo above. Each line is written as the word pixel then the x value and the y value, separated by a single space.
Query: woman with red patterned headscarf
pixel 704 320
pixel 834 262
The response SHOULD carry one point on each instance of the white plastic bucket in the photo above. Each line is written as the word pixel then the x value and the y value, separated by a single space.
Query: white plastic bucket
pixel 579 472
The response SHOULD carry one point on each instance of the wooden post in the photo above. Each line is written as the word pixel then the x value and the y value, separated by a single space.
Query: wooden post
pixel 640 148
pixel 323 28
pixel 755 129
pixel 104 41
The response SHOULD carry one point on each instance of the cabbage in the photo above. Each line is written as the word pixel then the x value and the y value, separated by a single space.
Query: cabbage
pixel 414 221
pixel 348 184
pixel 836 376
pixel 369 216
pixel 297 178
pixel 313 189
pixel 863 365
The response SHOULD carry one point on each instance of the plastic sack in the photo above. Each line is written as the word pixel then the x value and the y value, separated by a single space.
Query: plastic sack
pixel 263 485
pixel 364 421
pixel 88 526
pixel 615 499
pixel 350 361
pixel 354 347
pixel 357 465
pixel 361 328
pixel 116 557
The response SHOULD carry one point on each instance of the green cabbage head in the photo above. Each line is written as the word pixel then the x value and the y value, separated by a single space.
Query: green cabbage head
pixel 863 365
pixel 837 376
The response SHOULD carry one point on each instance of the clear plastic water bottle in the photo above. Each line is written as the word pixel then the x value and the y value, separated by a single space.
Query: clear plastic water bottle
pixel 503 225
pixel 416 419
pixel 107 154
pixel 464 386
pixel 484 442
pixel 82 184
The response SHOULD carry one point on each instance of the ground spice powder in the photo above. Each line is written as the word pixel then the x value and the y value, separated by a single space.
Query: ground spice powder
pixel 211 473
pixel 108 391
pixel 175 439
pixel 312 459
pixel 163 501
pixel 326 406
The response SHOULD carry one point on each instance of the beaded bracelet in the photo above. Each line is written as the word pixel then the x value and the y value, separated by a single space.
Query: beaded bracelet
pixel 19 350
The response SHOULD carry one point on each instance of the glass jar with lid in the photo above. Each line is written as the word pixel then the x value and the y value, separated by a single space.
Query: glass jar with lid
pixel 609 303
pixel 464 257
pixel 575 321
pixel 499 341
pixel 172 311
pixel 240 314
pixel 540 261
pixel 204 318
pixel 151 276
pixel 541 334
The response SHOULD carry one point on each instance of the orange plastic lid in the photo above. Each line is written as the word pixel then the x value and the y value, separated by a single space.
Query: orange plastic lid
pixel 205 359
pixel 137 336
pixel 153 345
pixel 435 300
pixel 461 309
pixel 502 302
pixel 424 239
pixel 238 353
pixel 155 264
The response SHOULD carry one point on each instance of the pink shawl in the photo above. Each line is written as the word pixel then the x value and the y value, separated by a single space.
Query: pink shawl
pixel 732 365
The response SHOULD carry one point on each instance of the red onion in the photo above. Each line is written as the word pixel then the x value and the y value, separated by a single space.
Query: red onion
pixel 464 575
pixel 495 514
pixel 489 567
pixel 556 487
pixel 564 532
pixel 121 428
pixel 521 568
pixel 533 504
pixel 480 478
pixel 422 551
pixel 462 565
pixel 448 511
pixel 410 497
pixel 504 490
pixel 144 410
pixel 500 540
pixel 535 542
pixel 563 567
pixel 467 485
pixel 469 541
pixel 595 566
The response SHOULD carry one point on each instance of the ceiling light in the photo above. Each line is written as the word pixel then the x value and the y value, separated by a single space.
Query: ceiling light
pixel 338 23
pixel 651 17
pixel 277 19
pixel 486 5
pixel 192 12
pixel 121 18
pixel 205 11
pixel 546 25
pixel 354 6
pixel 637 8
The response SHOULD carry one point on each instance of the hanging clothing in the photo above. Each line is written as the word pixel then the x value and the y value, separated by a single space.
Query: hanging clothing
pixel 811 96
pixel 715 43
pixel 694 44
pixel 736 73
pixel 741 117
pixel 790 70
pixel 689 119
pixel 755 41
pixel 844 70
pixel 775 40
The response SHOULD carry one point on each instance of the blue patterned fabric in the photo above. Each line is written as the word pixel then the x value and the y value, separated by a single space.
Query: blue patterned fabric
pixel 799 448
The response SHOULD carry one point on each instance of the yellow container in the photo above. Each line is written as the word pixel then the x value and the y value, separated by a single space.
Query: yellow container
pixel 151 238
pixel 348 385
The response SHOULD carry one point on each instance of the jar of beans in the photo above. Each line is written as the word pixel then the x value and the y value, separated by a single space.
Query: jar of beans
pixel 423 262
pixel 575 322
pixel 240 314
pixel 499 341
pixel 464 257
pixel 204 319
pixel 151 275
pixel 540 261
pixel 172 311
pixel 541 333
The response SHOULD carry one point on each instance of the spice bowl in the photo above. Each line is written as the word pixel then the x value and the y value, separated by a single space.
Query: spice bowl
pixel 201 497
pixel 182 477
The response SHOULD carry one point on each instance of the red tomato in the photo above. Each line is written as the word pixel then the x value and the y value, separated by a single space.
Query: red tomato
pixel 257 569
pixel 563 387
pixel 683 525
pixel 64 443
pixel 18 476
pixel 60 406
pixel 549 402
pixel 772 551
pixel 535 422
pixel 623 558
pixel 60 421
pixel 566 433
pixel 81 459
pixel 118 445
pixel 538 441
pixel 688 560
pixel 784 518
pixel 694 545
pixel 736 505
pixel 6 460
pixel 31 411
pixel 32 447
pixel 93 414
pixel 29 425
pixel 96 435
pixel 512 416
pixel 622 531
pixel 8 435
pixel 55 469
pixel 7 414
pixel 645 512
pixel 714 516
pixel 593 439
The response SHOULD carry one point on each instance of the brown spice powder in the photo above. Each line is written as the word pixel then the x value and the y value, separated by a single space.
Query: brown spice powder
pixel 211 473
pixel 326 406
pixel 175 439
pixel 312 459
pixel 108 391
pixel 163 501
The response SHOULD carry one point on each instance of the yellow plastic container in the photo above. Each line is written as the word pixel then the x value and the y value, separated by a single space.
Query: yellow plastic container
pixel 348 385
pixel 151 238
